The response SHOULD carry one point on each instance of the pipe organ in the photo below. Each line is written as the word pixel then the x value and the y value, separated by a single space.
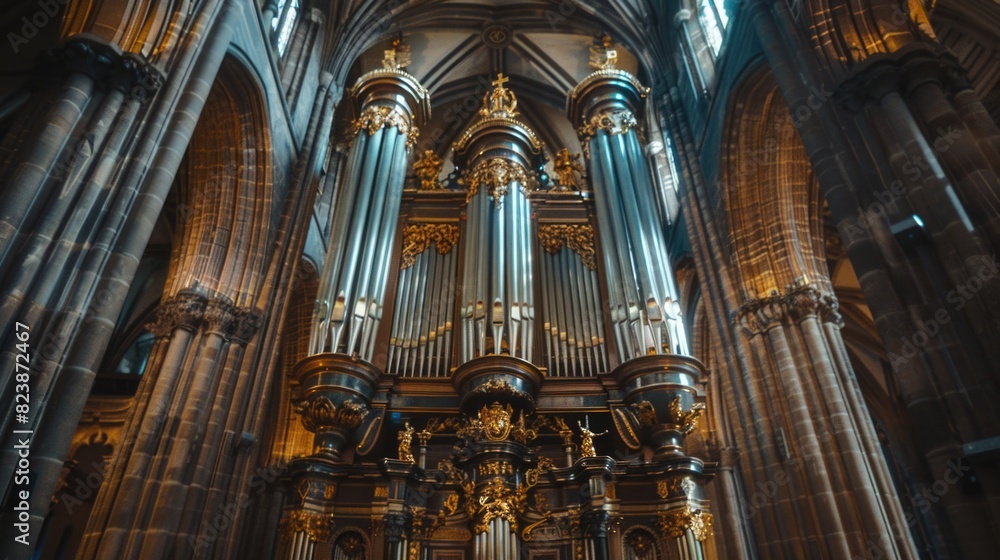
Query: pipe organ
pixel 530 342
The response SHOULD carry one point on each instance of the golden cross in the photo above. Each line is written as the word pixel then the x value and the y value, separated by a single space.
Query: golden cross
pixel 500 81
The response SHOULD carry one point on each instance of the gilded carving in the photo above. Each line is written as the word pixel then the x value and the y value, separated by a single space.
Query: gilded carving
pixel 603 56
pixel 686 421
pixel 674 487
pixel 317 526
pixel 496 175
pixel 496 500
pixel 374 117
pixel 578 237
pixel 613 120
pixel 417 238
pixel 569 171
pixel 587 439
pixel 496 421
pixel 673 523
pixel 428 168
pixel 405 438
pixel 319 414
pixel 501 102
pixel 397 57
pixel 495 468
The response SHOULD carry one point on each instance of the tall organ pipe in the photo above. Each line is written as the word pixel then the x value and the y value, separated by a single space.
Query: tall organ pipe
pixel 389 103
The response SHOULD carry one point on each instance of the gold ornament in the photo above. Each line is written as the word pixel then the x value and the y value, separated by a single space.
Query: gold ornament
pixel 578 237
pixel 428 169
pixel 495 420
pixel 319 414
pixel 674 522
pixel 374 117
pixel 587 439
pixel 418 237
pixel 405 438
pixel 613 120
pixel 686 421
pixel 501 102
pixel 396 57
pixel 497 175
pixel 568 168
pixel 495 501
pixel 317 526
pixel 603 56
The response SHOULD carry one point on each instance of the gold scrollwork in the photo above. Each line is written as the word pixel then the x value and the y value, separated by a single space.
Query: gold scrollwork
pixel 417 238
pixel 674 522
pixel 374 117
pixel 614 120
pixel 578 237
pixel 496 500
pixel 428 168
pixel 317 526
pixel 496 175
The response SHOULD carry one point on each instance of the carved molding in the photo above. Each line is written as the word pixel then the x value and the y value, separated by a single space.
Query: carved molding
pixel 186 310
pixel 578 237
pixel 417 238
pixel 127 72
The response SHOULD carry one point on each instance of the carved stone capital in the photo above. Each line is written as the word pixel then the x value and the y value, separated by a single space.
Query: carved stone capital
pixel 248 322
pixel 220 317
pixel 186 310
pixel 105 64
pixel 759 316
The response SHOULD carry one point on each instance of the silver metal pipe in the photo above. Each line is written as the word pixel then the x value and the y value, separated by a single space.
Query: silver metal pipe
pixel 418 310
pixel 549 288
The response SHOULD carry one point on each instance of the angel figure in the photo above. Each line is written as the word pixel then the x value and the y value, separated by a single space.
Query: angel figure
pixel 587 439
pixel 405 441
pixel 567 168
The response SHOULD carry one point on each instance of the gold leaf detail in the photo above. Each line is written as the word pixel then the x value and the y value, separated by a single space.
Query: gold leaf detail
pixel 578 237
pixel 417 238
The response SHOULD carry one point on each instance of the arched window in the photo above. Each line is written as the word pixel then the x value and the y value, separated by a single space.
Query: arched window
pixel 713 19
pixel 283 23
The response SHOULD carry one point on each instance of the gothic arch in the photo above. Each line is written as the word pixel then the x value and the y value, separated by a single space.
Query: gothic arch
pixel 971 31
pixel 224 189
pixel 772 200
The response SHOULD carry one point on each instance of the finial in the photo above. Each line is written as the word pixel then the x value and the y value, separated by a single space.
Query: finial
pixel 501 102
pixel 397 57
pixel 603 56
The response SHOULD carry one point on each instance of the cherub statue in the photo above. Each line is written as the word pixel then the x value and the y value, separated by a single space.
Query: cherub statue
pixel 587 439
pixel 405 440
